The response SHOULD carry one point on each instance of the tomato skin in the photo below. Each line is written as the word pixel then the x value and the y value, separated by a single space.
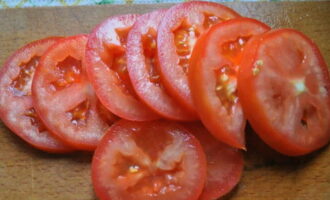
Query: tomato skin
pixel 173 76
pixel 153 95
pixel 105 41
pixel 101 159
pixel 225 122
pixel 21 125
pixel 224 164
pixel 63 97
pixel 257 114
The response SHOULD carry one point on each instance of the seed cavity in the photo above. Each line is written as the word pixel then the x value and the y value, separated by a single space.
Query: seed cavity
pixel 185 37
pixel 69 71
pixel 21 85
pixel 35 120
pixel 79 114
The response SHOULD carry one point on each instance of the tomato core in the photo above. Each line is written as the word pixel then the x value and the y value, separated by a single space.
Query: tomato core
pixel 21 85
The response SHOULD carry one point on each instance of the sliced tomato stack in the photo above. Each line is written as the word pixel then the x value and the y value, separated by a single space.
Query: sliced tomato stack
pixel 194 60
pixel 64 98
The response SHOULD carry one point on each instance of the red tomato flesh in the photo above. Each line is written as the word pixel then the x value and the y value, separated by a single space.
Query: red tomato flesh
pixel 148 160
pixel 213 77
pixel 224 164
pixel 143 69
pixel 64 98
pixel 16 108
pixel 177 33
pixel 284 85
pixel 107 69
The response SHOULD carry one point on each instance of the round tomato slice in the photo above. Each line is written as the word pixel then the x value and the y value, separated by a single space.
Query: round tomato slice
pixel 143 68
pixel 148 160
pixel 177 34
pixel 224 164
pixel 284 85
pixel 213 77
pixel 63 97
pixel 106 66
pixel 16 109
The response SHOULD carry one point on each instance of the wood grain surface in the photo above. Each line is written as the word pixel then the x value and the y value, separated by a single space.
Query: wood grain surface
pixel 29 174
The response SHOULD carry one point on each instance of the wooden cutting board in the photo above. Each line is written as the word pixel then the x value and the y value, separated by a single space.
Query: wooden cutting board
pixel 29 174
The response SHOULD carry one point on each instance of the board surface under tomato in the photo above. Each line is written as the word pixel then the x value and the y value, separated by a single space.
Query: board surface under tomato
pixel 64 98
pixel 214 66
pixel 16 108
pixel 142 65
pixel 284 85
pixel 107 69
pixel 148 160
pixel 177 34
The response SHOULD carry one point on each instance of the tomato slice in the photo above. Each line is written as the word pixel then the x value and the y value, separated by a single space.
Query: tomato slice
pixel 107 69
pixel 224 164
pixel 177 34
pixel 143 68
pixel 148 160
pixel 64 98
pixel 16 109
pixel 284 85
pixel 213 77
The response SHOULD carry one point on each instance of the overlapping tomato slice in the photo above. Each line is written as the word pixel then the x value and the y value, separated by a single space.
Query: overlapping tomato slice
pixel 107 69
pixel 284 86
pixel 64 98
pixel 178 31
pixel 214 66
pixel 148 160
pixel 16 107
pixel 142 65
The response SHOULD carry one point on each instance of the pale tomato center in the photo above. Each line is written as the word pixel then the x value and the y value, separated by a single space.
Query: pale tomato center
pixel 21 85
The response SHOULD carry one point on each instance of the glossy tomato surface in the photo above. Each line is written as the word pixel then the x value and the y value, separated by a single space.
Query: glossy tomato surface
pixel 178 31
pixel 107 69
pixel 148 160
pixel 16 108
pixel 284 85
pixel 64 98
pixel 214 66
pixel 224 163
pixel 142 65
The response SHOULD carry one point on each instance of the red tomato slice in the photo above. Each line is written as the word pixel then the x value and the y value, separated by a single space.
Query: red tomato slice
pixel 224 164
pixel 213 77
pixel 106 66
pixel 64 98
pixel 148 160
pixel 143 68
pixel 177 34
pixel 16 109
pixel 284 85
